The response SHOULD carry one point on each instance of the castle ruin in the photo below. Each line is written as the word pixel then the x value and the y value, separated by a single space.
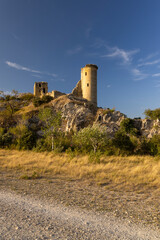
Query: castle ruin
pixel 86 88
pixel 40 89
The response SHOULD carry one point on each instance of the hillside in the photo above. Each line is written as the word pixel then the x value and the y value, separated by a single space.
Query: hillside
pixel 78 113
pixel 27 122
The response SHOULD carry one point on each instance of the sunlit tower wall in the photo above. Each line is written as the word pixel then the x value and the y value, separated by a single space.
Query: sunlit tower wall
pixel 89 83
pixel 40 88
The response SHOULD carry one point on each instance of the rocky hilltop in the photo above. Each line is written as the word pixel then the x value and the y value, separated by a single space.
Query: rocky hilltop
pixel 78 113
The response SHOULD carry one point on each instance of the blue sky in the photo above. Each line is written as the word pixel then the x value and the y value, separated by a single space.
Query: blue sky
pixel 50 40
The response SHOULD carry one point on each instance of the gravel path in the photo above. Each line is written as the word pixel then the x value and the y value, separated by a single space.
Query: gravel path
pixel 23 217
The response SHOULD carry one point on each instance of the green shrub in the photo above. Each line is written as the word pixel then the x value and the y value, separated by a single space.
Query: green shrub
pixel 94 157
pixel 154 144
pixel 47 98
pixel 91 138
pixel 152 114
pixel 108 110
pixel 39 101
pixel 127 125
pixel 27 97
pixel 42 146
pixel 27 140
pixel 122 142
pixel 5 139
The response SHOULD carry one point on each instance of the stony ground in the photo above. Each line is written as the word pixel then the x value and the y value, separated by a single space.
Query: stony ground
pixel 121 213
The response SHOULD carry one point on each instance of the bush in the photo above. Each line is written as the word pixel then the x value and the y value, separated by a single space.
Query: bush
pixel 6 139
pixel 27 140
pixel 91 138
pixel 45 99
pixel 154 145
pixel 122 142
pixel 27 97
pixel 152 114
pixel 94 157
pixel 127 125
pixel 37 101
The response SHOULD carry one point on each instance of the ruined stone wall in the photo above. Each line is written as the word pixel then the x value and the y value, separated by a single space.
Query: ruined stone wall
pixel 55 94
pixel 40 89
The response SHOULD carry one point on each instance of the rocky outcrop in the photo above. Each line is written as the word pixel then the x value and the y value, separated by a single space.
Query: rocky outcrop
pixel 76 113
pixel 110 119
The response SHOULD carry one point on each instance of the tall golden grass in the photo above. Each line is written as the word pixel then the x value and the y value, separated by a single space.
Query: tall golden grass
pixel 122 171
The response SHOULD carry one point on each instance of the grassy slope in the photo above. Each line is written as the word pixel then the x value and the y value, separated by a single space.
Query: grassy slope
pixel 134 172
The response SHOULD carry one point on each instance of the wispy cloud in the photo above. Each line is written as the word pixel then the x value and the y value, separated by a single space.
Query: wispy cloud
pixel 150 56
pixel 74 50
pixel 19 67
pixel 116 52
pixel 22 68
pixel 138 75
pixel 149 63
pixel 98 43
pixel 156 75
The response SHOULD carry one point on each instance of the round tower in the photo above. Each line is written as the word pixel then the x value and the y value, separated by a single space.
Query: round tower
pixel 89 83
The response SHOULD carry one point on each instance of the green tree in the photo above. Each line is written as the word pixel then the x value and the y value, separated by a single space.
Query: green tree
pixel 11 103
pixel 91 138
pixel 51 124
pixel 152 114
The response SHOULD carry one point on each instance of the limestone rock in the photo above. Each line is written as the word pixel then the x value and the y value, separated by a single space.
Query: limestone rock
pixel 76 113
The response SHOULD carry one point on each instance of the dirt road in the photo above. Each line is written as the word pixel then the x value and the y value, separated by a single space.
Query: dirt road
pixel 23 217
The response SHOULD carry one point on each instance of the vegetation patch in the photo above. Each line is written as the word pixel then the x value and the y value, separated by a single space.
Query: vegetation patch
pixel 30 177
pixel 123 171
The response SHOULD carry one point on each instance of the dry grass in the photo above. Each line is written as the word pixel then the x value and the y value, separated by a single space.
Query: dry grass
pixel 120 171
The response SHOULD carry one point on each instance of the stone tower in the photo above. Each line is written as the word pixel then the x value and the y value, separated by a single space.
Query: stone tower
pixel 89 83
pixel 40 88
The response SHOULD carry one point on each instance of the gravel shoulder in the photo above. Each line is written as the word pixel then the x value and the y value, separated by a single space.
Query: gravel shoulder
pixel 59 208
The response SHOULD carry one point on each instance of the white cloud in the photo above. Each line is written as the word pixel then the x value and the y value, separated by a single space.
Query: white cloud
pixel 138 74
pixel 74 50
pixel 108 86
pixel 149 63
pixel 156 75
pixel 150 56
pixel 22 68
pixel 19 67
pixel 116 52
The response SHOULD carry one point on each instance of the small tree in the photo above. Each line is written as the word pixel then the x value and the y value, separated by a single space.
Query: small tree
pixel 152 114
pixel 51 124
pixel 11 102
pixel 92 137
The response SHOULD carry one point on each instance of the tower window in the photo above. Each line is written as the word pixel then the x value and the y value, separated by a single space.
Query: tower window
pixel 87 84
pixel 39 85
pixel 85 73
pixel 44 90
